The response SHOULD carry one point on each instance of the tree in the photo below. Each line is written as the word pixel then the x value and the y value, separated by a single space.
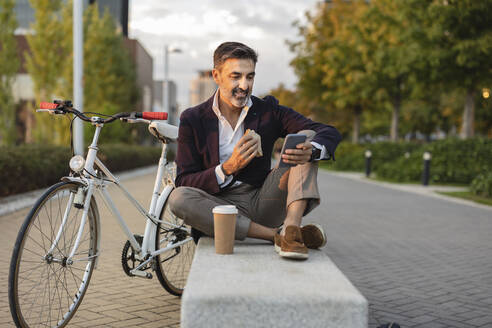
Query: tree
pixel 44 64
pixel 390 53
pixel 459 44
pixel 346 77
pixel 310 63
pixel 9 65
pixel 306 66
pixel 109 73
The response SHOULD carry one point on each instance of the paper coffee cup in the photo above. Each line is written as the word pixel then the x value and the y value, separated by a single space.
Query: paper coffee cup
pixel 224 228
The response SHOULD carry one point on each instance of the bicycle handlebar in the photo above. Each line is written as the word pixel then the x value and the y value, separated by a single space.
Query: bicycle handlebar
pixel 65 108
pixel 153 115
pixel 47 105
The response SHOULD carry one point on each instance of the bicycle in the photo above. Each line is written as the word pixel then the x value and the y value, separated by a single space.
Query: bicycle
pixel 58 244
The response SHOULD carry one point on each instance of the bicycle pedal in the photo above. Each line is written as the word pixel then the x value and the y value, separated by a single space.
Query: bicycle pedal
pixel 141 274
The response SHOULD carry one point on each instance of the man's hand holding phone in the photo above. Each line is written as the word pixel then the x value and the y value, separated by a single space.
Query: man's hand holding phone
pixel 295 151
pixel 300 155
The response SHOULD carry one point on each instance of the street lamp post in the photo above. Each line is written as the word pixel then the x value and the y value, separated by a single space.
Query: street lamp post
pixel 368 155
pixel 426 172
pixel 167 50
pixel 78 64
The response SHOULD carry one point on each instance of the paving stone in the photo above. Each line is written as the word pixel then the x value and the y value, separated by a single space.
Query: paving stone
pixel 480 321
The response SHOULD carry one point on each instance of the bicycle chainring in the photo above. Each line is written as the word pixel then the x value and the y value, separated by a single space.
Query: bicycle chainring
pixel 128 256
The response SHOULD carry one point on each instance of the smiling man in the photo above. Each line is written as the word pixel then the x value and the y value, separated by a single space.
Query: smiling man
pixel 219 163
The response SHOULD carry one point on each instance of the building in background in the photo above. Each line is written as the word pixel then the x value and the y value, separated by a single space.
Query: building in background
pixel 117 9
pixel 202 87
pixel 158 92
pixel 173 115
pixel 144 67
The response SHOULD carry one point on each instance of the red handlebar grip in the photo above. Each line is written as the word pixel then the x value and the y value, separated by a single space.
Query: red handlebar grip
pixel 47 105
pixel 154 115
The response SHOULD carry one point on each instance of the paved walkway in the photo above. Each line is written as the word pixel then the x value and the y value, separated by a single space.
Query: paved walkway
pixel 420 261
pixel 113 299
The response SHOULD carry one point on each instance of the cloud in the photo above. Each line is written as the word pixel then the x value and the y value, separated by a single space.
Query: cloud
pixel 198 27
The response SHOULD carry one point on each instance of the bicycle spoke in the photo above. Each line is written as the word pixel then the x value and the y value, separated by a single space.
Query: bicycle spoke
pixel 37 295
pixel 28 270
pixel 30 251
pixel 38 244
pixel 52 241
pixel 173 267
pixel 39 229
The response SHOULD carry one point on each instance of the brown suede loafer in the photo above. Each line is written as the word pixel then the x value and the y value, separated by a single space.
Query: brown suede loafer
pixel 313 236
pixel 276 240
pixel 291 245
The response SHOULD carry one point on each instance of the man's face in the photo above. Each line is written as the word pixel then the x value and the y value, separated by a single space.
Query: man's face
pixel 235 79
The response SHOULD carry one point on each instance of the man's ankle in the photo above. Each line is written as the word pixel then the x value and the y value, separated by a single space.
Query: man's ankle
pixel 286 224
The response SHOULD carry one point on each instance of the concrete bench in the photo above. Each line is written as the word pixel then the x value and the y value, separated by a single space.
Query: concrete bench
pixel 254 287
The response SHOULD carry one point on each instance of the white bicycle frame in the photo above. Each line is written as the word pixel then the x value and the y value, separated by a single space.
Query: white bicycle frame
pixel 89 179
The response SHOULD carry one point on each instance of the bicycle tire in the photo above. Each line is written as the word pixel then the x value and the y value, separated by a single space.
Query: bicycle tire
pixel 62 285
pixel 172 267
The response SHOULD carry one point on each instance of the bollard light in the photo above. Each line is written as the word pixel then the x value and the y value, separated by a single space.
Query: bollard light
pixel 426 172
pixel 368 155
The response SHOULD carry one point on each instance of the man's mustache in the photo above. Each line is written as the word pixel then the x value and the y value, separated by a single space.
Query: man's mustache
pixel 237 90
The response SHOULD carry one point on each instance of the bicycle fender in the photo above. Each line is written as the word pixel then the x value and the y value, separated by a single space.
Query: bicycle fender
pixel 74 180
pixel 162 199
pixel 98 224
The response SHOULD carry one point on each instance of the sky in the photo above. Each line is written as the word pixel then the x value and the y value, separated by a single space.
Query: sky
pixel 198 27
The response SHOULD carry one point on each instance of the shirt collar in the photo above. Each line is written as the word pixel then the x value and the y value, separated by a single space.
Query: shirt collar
pixel 215 104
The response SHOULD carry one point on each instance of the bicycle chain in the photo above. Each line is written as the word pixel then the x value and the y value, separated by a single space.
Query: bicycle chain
pixel 128 259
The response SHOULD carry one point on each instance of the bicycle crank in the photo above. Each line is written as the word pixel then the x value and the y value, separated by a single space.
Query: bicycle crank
pixel 129 260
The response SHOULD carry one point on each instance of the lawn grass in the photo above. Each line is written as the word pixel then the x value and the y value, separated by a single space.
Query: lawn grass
pixel 468 196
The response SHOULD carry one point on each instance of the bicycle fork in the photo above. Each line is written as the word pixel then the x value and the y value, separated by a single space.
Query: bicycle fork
pixel 86 205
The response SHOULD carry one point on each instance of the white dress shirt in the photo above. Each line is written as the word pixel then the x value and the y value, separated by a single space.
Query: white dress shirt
pixel 229 137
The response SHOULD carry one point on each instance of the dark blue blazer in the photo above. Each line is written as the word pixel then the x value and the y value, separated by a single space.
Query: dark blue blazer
pixel 198 141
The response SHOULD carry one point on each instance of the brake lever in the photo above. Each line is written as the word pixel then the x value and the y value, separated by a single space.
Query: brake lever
pixel 134 120
pixel 51 111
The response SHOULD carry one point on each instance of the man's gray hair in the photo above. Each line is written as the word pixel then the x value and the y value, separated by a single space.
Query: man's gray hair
pixel 228 50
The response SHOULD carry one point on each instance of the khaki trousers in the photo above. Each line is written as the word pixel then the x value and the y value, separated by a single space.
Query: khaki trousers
pixel 266 205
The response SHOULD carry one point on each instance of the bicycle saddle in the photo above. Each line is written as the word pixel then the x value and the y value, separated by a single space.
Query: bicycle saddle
pixel 164 131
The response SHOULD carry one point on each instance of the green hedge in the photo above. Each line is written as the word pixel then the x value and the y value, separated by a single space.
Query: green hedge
pixel 482 185
pixel 351 157
pixel 29 167
pixel 453 160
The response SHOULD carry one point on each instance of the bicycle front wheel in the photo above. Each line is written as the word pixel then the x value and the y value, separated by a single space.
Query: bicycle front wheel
pixel 45 289
pixel 173 266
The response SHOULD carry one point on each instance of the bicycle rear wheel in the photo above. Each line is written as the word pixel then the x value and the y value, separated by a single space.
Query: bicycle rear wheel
pixel 44 289
pixel 172 267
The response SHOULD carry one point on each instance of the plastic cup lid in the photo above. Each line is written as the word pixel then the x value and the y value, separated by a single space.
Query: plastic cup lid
pixel 225 209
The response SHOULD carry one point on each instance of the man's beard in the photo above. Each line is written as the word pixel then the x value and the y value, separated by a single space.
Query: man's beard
pixel 240 97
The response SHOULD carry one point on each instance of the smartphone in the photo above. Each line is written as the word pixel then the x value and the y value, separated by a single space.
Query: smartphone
pixel 290 142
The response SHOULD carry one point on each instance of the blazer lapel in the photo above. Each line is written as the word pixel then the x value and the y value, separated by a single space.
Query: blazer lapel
pixel 252 119
pixel 210 124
